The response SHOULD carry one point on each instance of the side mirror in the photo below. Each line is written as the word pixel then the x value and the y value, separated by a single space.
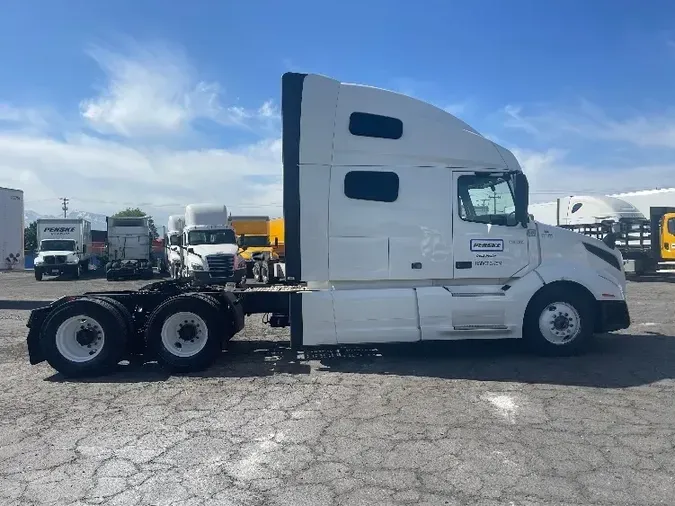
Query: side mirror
pixel 522 197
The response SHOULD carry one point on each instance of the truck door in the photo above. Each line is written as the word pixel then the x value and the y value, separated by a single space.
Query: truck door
pixel 668 237
pixel 488 243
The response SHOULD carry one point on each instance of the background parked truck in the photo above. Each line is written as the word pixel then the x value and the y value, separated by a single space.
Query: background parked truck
pixel 11 228
pixel 129 248
pixel 172 243
pixel 210 252
pixel 64 247
pixel 261 244
pixel 643 241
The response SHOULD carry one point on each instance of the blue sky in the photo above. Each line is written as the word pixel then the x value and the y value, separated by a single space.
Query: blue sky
pixel 161 103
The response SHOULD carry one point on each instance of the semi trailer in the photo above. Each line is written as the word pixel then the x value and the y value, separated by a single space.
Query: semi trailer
pixel 11 229
pixel 64 247
pixel 387 239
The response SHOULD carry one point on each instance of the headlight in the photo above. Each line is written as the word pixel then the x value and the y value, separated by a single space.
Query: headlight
pixel 197 267
pixel 72 260
pixel 39 261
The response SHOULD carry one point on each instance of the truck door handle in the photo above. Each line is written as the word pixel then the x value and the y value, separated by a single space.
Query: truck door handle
pixel 463 265
pixel 416 265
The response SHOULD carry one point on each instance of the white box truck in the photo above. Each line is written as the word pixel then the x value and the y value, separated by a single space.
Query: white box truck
pixel 129 248
pixel 210 249
pixel 11 229
pixel 172 244
pixel 388 239
pixel 64 247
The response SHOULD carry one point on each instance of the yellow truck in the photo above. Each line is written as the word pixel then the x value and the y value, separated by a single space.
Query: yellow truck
pixel 663 223
pixel 261 244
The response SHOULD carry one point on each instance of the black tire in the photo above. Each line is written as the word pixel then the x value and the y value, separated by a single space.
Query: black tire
pixel 75 273
pixel 38 275
pixel 573 307
pixel 206 308
pixel 114 344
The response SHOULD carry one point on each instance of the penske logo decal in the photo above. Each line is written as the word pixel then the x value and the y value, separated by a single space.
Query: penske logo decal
pixel 487 245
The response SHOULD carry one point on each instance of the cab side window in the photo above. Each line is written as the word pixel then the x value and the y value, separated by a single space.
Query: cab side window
pixel 486 199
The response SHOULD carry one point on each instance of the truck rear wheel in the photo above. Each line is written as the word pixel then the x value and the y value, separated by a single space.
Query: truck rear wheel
pixel 559 321
pixel 85 337
pixel 184 332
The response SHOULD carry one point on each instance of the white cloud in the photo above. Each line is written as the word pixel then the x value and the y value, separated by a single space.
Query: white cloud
pixel 590 122
pixel 155 91
pixel 149 98
pixel 551 175
pixel 102 175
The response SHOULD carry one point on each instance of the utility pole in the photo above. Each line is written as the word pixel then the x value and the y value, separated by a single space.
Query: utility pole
pixel 64 206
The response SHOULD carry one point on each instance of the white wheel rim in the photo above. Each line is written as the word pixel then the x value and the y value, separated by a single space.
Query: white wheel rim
pixel 559 323
pixel 80 338
pixel 184 334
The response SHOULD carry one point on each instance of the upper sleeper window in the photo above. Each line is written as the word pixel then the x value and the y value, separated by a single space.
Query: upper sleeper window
pixel 365 124
pixel 576 207
pixel 371 185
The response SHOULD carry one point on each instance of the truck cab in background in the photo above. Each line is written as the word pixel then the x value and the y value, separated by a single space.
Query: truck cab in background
pixel 129 248
pixel 64 247
pixel 261 244
pixel 209 244
pixel 173 243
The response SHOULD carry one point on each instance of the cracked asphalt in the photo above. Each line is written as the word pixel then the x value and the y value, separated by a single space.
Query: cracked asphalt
pixel 477 423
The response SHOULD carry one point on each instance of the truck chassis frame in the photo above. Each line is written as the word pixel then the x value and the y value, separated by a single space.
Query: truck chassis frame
pixel 127 323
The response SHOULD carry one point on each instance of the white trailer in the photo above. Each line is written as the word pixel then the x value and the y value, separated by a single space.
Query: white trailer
pixel 210 249
pixel 172 244
pixel 388 239
pixel 11 229
pixel 64 247
pixel 644 200
pixel 129 247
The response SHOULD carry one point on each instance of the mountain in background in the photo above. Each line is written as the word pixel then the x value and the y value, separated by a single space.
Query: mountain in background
pixel 97 220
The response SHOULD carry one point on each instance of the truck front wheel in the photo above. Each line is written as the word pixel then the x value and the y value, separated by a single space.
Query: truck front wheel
pixel 38 274
pixel 183 332
pixel 559 321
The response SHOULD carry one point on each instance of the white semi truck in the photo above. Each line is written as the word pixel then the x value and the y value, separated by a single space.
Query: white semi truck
pixel 388 239
pixel 64 247
pixel 209 245
pixel 11 229
pixel 129 248
pixel 172 244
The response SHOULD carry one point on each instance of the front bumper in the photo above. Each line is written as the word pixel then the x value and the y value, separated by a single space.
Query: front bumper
pixel 56 268
pixel 207 277
pixel 612 315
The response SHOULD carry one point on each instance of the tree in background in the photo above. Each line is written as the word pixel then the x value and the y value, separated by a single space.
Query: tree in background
pixel 137 213
pixel 30 237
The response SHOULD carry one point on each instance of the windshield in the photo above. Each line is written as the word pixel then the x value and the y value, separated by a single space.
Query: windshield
pixel 197 237
pixel 57 245
pixel 486 198
pixel 255 241
pixel 174 240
